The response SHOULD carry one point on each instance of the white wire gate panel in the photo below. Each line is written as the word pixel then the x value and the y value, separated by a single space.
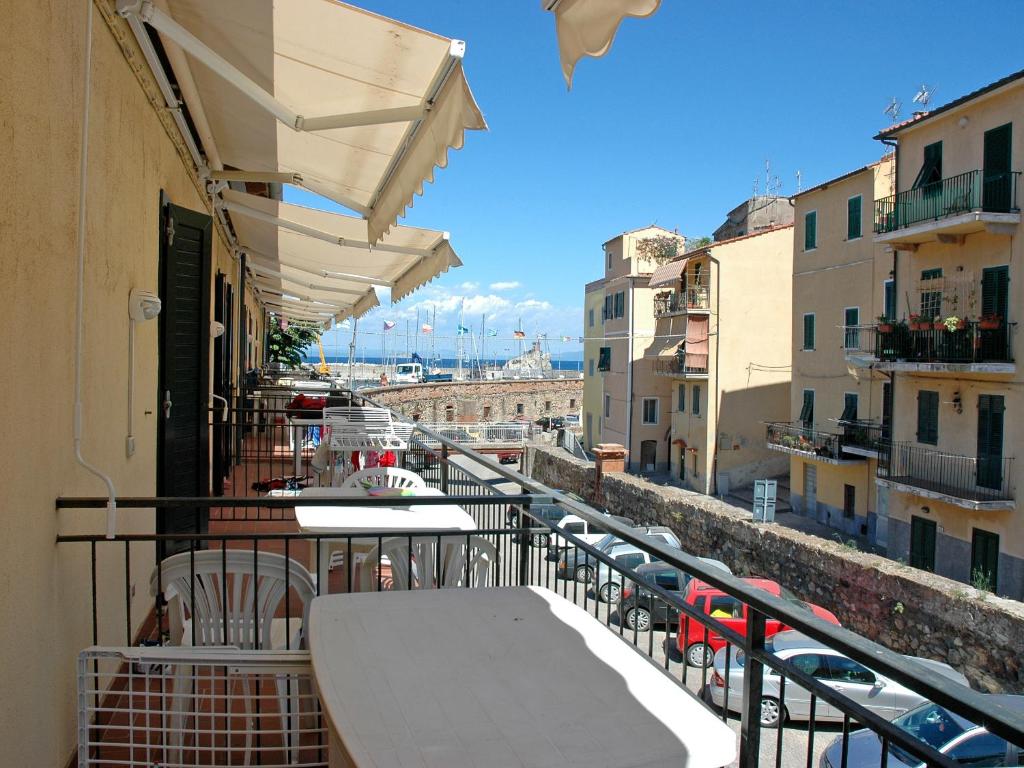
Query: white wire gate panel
pixel 168 707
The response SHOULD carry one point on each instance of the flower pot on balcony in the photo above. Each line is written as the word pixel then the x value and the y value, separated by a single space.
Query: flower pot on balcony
pixel 939 325
pixel 886 327
pixel 990 323
pixel 951 326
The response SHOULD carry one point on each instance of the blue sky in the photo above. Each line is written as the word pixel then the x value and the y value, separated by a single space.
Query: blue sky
pixel 673 126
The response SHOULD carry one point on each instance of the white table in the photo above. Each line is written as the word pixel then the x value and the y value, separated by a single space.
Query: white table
pixel 358 519
pixel 506 677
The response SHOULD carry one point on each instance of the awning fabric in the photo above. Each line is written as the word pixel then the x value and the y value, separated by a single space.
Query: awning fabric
pixel 696 342
pixel 588 27
pixel 667 274
pixel 324 61
pixel 290 265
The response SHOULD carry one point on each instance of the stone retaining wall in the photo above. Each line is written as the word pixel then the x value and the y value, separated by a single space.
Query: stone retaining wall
pixel 905 609
pixel 470 401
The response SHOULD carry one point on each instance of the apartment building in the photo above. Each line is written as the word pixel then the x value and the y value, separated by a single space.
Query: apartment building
pixel 721 346
pixel 953 227
pixel 841 281
pixel 632 408
pixel 593 340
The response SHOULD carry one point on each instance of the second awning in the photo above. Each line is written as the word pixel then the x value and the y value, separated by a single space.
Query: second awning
pixel 668 274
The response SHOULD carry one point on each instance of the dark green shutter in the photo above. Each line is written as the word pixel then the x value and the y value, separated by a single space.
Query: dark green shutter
pixel 922 543
pixel 807 411
pixel 928 417
pixel 849 407
pixel 931 168
pixel 990 441
pixel 682 398
pixel 985 557
pixel 853 218
pixel 810 230
pixel 808 331
pixel 995 290
pixel 997 190
pixel 890 299
pixel 604 360
pixel 851 333
pixel 696 399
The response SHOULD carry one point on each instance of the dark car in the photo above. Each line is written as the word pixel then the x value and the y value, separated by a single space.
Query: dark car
pixel 577 563
pixel 551 422
pixel 544 518
pixel 639 608
pixel 948 733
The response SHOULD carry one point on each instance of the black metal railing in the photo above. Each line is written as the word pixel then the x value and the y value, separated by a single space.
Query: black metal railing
pixel 970 191
pixel 867 435
pixel 971 478
pixel 966 341
pixel 676 366
pixel 796 436
pixel 490 492
pixel 697 298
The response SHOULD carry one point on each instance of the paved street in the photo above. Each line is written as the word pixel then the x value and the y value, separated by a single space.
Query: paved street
pixel 795 736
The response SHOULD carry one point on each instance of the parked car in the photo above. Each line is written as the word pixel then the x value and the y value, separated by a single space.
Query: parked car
pixel 579 564
pixel 872 690
pixel 540 519
pixel 732 613
pixel 949 733
pixel 608 581
pixel 508 457
pixel 551 422
pixel 636 603
pixel 589 533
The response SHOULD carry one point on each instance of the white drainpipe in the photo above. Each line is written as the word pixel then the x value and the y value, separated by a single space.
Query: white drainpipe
pixel 79 298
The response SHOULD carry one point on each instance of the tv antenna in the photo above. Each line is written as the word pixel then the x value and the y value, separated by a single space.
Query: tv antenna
pixel 893 110
pixel 772 184
pixel 924 96
pixel 798 177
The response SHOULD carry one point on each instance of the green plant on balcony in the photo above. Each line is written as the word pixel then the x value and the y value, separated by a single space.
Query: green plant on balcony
pixel 954 323
pixel 918 323
pixel 885 324
pixel 659 249
pixel 788 441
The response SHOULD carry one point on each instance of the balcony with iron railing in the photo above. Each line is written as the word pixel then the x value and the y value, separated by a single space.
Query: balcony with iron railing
pixel 935 346
pixel 973 482
pixel 192 701
pixel 955 206
pixel 696 299
pixel 676 365
pixel 864 437
pixel 801 440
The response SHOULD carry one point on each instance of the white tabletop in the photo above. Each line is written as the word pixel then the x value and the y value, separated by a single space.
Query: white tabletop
pixel 356 519
pixel 507 677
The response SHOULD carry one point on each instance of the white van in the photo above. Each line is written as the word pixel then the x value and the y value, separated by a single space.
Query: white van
pixel 409 373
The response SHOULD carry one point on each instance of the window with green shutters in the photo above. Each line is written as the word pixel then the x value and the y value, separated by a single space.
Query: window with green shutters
pixel 849 407
pixel 810 230
pixel 696 400
pixel 928 417
pixel 807 410
pixel 620 304
pixel 809 331
pixel 681 406
pixel 995 291
pixel 853 218
pixel 990 441
pixel 931 168
pixel 604 359
pixel 985 558
pixel 922 543
pixel 889 294
pixel 851 323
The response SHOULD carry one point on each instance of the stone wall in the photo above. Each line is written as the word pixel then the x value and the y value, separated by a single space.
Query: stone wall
pixel 470 401
pixel 907 610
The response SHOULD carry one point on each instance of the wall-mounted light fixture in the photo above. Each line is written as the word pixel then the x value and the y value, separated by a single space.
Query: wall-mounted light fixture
pixel 142 306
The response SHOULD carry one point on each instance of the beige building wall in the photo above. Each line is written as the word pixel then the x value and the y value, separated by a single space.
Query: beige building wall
pixel 45 599
pixel 961 130
pixel 722 446
pixel 628 336
pixel 838 274
pixel 593 386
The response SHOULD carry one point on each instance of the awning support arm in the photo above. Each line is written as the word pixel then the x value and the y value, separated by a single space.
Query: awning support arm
pixel 163 23
pixel 318 272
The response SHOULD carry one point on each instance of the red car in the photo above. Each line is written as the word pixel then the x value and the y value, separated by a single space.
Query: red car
pixel 732 613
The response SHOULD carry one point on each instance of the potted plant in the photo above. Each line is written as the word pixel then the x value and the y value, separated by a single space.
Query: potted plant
pixel 990 322
pixel 885 324
pixel 917 324
pixel 953 323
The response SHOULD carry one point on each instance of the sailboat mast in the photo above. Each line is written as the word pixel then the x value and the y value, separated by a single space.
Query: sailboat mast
pixel 480 361
pixel 352 353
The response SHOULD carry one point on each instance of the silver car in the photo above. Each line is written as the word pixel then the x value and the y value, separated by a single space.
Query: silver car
pixel 608 581
pixel 882 695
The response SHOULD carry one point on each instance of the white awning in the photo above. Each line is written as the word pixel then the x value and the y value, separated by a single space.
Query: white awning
pixel 319 261
pixel 349 104
pixel 668 274
pixel 588 27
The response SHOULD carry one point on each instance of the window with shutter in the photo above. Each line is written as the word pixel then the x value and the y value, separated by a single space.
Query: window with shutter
pixel 682 398
pixel 922 543
pixel 889 294
pixel 809 331
pixel 990 441
pixel 931 298
pixel 851 333
pixel 604 359
pixel 807 411
pixel 620 304
pixel 995 287
pixel 985 558
pixel 810 230
pixel 696 400
pixel 928 417
pixel 849 407
pixel 997 180
pixel 931 168
pixel 853 218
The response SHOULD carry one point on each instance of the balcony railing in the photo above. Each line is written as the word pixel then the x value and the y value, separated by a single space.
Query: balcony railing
pixel 676 366
pixel 250 526
pixel 970 478
pixel 796 437
pixel 677 302
pixel 970 191
pixel 970 342
pixel 866 435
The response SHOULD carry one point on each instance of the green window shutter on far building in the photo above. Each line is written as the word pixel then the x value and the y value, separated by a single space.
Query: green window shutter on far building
pixel 810 230
pixel 853 218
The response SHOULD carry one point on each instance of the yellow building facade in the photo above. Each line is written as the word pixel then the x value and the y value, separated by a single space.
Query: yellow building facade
pixel 841 281
pixel 721 344
pixel 593 340
pixel 953 225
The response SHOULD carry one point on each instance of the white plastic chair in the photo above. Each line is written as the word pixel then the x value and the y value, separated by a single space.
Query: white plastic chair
pixel 364 429
pixel 237 594
pixel 384 477
pixel 423 559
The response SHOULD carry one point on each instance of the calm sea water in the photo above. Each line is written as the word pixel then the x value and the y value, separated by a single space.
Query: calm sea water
pixel 444 362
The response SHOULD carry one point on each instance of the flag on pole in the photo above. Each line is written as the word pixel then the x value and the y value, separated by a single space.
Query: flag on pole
pixel 567 338
pixel 542 335
pixel 389 324
pixel 425 328
pixel 463 330
pixel 519 334
pixel 492 331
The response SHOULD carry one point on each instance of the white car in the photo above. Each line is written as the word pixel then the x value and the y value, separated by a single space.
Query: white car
pixel 589 533
pixel 608 581
pixel 873 691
